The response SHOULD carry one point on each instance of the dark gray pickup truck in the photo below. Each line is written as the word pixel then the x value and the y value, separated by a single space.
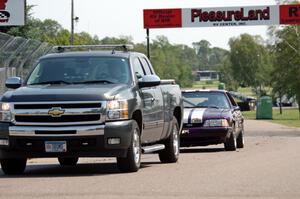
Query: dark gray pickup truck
pixel 90 104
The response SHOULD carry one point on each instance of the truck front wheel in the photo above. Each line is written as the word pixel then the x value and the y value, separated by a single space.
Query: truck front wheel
pixel 132 162
pixel 171 152
pixel 13 166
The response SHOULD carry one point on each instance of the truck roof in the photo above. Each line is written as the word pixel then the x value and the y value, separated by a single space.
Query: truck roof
pixel 92 50
pixel 202 90
pixel 88 54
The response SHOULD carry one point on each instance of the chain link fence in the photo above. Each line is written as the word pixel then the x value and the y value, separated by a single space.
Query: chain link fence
pixel 18 55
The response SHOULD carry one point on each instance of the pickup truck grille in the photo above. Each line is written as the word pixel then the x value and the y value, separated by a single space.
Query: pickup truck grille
pixel 59 113
pixel 49 106
pixel 64 118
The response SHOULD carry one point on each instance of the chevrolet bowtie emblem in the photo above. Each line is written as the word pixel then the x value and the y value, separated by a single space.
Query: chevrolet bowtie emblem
pixel 56 112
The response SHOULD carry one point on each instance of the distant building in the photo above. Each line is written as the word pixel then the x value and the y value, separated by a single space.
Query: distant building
pixel 204 75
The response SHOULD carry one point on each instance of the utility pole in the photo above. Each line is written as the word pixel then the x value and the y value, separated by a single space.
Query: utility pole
pixel 72 22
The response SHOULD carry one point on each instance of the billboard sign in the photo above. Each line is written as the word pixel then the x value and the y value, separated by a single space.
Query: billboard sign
pixel 290 14
pixel 223 16
pixel 12 12
pixel 230 16
pixel 162 18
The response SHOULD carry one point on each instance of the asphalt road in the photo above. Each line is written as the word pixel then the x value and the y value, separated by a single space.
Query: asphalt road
pixel 268 167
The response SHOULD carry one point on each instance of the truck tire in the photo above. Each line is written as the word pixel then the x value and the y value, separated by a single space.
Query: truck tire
pixel 132 162
pixel 68 161
pixel 171 152
pixel 240 140
pixel 13 166
pixel 230 143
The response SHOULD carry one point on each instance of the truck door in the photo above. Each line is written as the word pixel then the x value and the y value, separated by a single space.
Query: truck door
pixel 158 105
pixel 150 133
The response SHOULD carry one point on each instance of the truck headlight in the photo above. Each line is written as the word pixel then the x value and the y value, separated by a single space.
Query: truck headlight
pixel 5 112
pixel 117 109
pixel 216 123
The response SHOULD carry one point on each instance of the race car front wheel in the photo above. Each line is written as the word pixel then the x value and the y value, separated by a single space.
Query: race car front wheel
pixel 230 143
pixel 240 140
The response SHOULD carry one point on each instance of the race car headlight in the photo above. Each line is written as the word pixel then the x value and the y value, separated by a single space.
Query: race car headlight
pixel 5 112
pixel 216 123
pixel 117 110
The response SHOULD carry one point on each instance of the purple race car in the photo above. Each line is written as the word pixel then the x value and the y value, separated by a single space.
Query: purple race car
pixel 211 117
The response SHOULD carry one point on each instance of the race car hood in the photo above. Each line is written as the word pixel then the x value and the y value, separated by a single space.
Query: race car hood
pixel 199 115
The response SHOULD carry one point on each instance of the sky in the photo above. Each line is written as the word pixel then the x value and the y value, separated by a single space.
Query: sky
pixel 114 18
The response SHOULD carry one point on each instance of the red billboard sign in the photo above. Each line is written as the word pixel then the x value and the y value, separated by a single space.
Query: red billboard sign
pixel 162 18
pixel 290 14
pixel 225 16
pixel 3 4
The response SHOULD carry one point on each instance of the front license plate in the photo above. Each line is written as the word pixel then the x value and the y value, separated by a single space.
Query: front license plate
pixel 55 146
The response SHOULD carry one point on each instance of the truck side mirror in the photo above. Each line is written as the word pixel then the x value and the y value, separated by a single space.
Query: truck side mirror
pixel 13 82
pixel 149 81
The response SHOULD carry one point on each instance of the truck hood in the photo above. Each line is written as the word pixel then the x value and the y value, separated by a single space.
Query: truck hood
pixel 80 92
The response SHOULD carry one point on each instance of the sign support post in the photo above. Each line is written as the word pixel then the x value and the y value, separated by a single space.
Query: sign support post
pixel 148 43
pixel 72 23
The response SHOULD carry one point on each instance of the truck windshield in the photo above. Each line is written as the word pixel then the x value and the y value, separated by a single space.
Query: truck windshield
pixel 205 100
pixel 81 70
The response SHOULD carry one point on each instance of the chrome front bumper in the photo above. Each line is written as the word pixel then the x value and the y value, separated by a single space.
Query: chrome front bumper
pixel 24 131
pixel 29 141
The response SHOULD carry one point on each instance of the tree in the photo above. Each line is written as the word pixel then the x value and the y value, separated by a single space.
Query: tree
pixel 114 40
pixel 171 61
pixel 286 72
pixel 203 50
pixel 227 75
pixel 217 58
pixel 250 62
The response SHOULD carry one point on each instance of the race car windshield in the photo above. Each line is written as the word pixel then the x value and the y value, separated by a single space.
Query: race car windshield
pixel 81 70
pixel 205 100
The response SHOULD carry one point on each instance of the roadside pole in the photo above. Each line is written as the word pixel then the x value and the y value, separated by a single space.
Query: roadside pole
pixel 72 22
pixel 148 43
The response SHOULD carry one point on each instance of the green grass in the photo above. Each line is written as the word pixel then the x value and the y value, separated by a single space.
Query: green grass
pixel 251 115
pixel 289 117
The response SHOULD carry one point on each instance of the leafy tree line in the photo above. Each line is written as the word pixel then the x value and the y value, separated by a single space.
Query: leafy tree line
pixel 247 64
pixel 271 65
pixel 208 58
pixel 266 66
pixel 286 72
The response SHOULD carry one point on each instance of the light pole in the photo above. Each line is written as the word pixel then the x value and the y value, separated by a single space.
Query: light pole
pixel 72 22
pixel 73 18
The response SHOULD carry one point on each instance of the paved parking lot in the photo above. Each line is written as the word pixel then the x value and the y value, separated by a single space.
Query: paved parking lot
pixel 267 168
